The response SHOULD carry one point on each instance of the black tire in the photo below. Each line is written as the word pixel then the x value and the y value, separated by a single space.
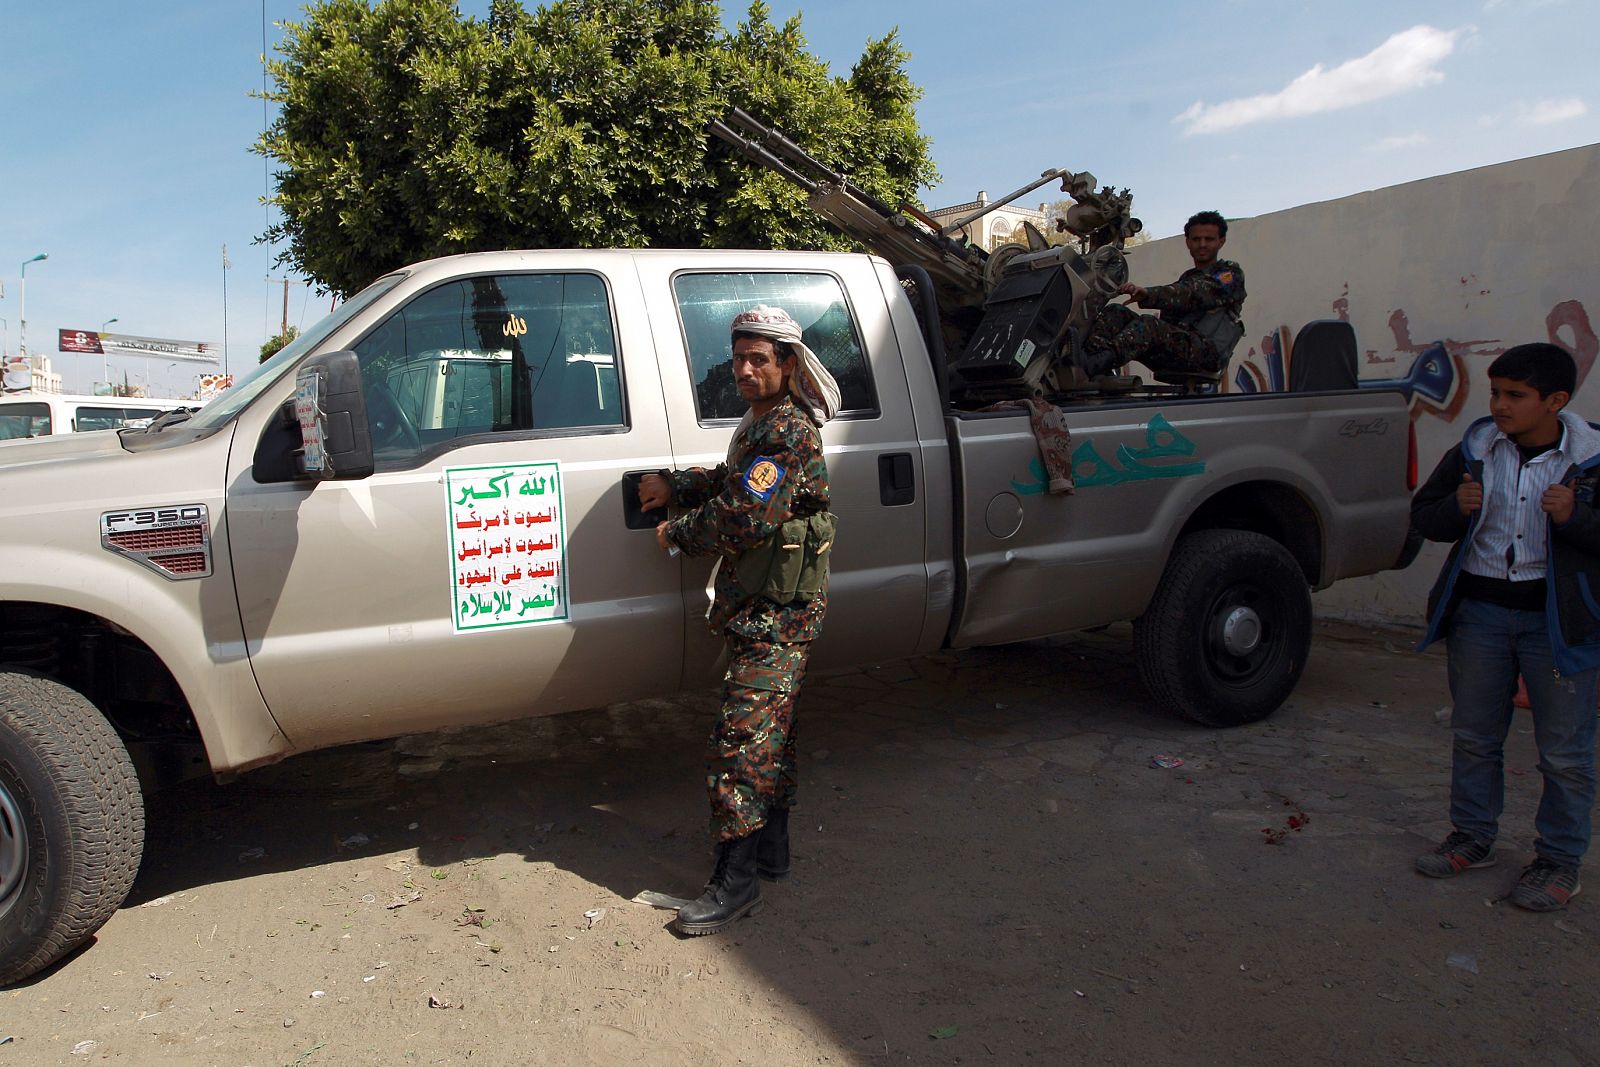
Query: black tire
pixel 1196 650
pixel 71 822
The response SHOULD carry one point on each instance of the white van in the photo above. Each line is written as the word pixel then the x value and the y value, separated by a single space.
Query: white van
pixel 25 415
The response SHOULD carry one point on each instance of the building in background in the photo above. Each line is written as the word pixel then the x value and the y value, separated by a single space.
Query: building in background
pixel 1001 226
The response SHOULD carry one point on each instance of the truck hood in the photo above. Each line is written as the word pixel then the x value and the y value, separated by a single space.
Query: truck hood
pixel 59 447
pixel 93 471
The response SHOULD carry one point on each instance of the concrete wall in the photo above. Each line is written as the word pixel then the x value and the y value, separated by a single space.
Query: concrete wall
pixel 1437 277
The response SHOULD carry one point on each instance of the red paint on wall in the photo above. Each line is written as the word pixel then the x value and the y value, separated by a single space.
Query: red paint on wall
pixel 1570 315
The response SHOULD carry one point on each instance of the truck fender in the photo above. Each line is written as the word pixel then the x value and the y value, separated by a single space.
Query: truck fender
pixel 191 626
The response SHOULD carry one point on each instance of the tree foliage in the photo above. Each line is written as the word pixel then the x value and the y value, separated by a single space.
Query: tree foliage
pixel 270 347
pixel 408 131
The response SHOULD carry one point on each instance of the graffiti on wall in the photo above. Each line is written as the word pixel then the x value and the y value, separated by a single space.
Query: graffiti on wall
pixel 1437 382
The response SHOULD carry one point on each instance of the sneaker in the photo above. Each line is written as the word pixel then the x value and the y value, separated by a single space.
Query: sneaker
pixel 1545 886
pixel 1459 852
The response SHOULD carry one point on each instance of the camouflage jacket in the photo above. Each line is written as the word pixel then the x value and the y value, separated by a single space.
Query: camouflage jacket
pixel 1197 291
pixel 774 472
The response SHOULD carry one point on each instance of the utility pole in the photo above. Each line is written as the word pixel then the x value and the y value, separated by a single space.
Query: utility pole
pixel 283 324
pixel 23 350
pixel 225 266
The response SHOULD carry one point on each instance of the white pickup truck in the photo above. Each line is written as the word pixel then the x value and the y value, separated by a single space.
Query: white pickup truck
pixel 421 514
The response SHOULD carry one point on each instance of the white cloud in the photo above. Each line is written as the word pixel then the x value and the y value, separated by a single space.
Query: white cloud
pixel 1545 112
pixel 1390 144
pixel 1408 60
pixel 1539 113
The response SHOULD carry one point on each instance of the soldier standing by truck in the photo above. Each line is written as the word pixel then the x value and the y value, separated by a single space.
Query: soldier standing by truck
pixel 1199 323
pixel 764 513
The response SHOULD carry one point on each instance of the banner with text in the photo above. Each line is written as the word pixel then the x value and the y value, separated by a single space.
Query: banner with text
pixel 122 344
pixel 508 545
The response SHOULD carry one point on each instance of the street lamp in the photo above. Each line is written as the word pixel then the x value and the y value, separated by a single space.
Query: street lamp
pixel 23 299
pixel 105 370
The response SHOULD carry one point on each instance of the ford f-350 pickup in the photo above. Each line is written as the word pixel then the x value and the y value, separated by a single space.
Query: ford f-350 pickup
pixel 422 514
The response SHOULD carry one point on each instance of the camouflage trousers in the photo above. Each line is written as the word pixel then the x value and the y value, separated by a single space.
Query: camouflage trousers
pixel 1161 346
pixel 750 760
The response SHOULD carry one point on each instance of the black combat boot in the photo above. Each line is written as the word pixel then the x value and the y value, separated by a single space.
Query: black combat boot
pixel 772 847
pixel 1099 362
pixel 733 890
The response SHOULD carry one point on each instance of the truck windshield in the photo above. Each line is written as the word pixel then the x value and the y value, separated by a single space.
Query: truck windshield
pixel 241 393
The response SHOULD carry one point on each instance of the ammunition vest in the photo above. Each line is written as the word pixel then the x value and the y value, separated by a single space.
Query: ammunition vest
pixel 791 564
pixel 1221 328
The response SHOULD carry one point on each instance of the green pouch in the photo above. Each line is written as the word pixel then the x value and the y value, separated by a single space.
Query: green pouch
pixel 792 564
pixel 818 547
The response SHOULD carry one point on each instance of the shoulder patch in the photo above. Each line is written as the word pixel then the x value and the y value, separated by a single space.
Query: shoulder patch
pixel 763 477
pixel 1225 277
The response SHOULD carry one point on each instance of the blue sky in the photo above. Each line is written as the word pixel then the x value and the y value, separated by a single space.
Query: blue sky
pixel 125 128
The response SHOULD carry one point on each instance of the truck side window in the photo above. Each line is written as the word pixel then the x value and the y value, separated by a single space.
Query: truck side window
pixel 24 420
pixel 708 302
pixel 492 354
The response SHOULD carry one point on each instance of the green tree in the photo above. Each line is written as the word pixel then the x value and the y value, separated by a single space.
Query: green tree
pixel 408 131
pixel 273 344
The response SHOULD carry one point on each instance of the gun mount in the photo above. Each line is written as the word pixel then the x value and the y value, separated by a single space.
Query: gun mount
pixel 1012 316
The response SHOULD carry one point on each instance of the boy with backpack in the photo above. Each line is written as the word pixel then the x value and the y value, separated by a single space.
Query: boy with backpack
pixel 1519 593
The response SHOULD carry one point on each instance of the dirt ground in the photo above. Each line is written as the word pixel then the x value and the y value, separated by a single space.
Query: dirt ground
pixel 989 869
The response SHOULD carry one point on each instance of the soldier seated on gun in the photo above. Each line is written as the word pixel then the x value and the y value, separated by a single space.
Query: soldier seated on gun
pixel 1199 322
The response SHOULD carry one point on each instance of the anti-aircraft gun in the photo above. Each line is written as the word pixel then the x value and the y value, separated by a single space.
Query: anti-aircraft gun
pixel 1013 318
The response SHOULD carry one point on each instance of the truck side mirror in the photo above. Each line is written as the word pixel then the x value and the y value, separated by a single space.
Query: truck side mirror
pixel 335 440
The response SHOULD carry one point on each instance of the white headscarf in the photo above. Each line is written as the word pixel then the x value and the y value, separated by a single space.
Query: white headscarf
pixel 811 384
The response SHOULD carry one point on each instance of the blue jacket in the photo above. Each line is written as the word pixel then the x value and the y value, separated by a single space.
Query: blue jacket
pixel 1572 576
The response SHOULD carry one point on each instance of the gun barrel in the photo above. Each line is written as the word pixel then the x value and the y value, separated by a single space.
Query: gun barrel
pixel 901 238
pixel 782 147
pixel 757 153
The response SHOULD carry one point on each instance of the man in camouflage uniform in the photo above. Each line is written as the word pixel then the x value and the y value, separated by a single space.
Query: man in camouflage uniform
pixel 1186 337
pixel 774 474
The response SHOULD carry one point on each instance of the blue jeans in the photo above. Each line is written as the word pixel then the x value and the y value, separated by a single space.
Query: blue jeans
pixel 1488 647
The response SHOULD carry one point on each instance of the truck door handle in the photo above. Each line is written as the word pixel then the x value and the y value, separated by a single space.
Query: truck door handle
pixel 632 516
pixel 897 484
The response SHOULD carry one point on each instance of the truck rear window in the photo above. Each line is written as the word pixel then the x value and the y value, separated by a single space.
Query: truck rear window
pixel 707 304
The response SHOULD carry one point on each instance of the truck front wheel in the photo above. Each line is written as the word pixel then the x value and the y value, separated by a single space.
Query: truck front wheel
pixel 71 822
pixel 1227 633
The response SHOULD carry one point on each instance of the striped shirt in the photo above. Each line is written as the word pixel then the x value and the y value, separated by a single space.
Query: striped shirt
pixel 1510 542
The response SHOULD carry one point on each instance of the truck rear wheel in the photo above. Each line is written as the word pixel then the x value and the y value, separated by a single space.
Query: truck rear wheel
pixel 71 822
pixel 1227 633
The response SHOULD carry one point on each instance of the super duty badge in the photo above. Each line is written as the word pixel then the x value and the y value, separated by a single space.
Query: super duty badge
pixel 175 542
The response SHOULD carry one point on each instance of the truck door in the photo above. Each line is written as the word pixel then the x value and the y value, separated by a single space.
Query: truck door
pixel 878 596
pixel 485 570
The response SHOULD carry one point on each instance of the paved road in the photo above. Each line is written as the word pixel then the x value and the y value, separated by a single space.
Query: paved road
pixel 989 870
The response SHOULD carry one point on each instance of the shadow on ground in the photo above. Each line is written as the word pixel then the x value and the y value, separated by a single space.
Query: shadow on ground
pixel 989 867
